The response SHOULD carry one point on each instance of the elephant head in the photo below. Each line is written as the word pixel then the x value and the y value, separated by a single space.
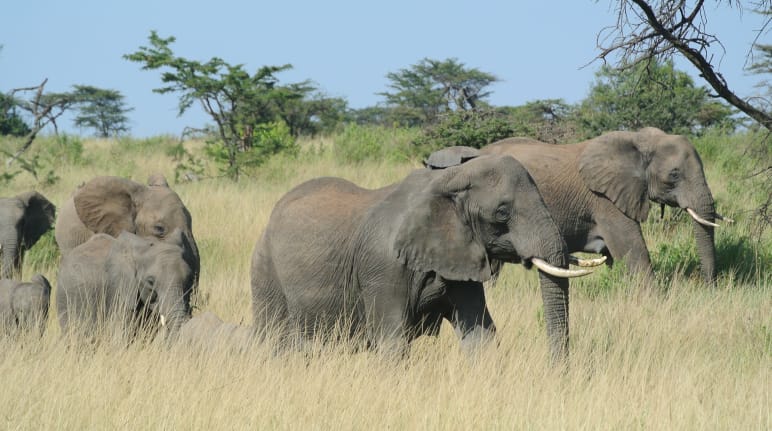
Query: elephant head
pixel 150 280
pixel 488 210
pixel 632 168
pixel 23 220
pixel 112 205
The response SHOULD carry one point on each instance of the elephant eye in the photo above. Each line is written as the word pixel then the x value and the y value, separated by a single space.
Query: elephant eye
pixel 159 230
pixel 503 213
pixel 673 176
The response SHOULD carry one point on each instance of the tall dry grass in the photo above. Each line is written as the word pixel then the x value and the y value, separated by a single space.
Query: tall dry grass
pixel 678 356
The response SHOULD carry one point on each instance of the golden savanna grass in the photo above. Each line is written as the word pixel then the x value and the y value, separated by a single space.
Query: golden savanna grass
pixel 677 356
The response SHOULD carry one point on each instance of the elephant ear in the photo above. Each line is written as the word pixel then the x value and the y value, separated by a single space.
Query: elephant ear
pixel 450 156
pixel 616 169
pixel 39 216
pixel 157 180
pixel 107 204
pixel 433 234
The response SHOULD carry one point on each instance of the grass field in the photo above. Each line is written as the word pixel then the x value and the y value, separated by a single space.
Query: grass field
pixel 680 356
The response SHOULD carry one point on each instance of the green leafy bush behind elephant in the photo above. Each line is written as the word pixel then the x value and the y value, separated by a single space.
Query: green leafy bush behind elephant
pixel 23 220
pixel 598 191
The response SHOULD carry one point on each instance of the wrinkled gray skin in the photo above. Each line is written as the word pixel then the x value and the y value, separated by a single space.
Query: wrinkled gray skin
pixel 112 205
pixel 599 190
pixel 128 280
pixel 394 262
pixel 24 305
pixel 206 331
pixel 23 220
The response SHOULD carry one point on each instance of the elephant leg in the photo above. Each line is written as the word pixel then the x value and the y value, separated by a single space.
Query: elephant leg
pixel 624 240
pixel 470 317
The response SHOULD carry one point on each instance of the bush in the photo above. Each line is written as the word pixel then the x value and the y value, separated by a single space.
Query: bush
pixel 470 128
pixel 359 143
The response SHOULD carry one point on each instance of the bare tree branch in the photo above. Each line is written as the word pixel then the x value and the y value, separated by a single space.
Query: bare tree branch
pixel 648 30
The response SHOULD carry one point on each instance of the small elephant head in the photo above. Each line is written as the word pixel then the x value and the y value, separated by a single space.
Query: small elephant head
pixel 112 205
pixel 23 220
pixel 151 279
pixel 632 168
pixel 468 216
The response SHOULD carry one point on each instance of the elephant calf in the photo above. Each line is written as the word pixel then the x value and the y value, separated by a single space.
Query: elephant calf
pixel 23 220
pixel 206 331
pixel 24 305
pixel 136 282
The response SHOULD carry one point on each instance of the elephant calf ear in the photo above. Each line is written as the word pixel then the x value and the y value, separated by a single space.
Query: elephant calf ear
pixel 434 237
pixel 617 170
pixel 39 216
pixel 106 205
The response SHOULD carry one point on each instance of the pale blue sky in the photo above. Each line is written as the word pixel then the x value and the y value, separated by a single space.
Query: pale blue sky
pixel 536 48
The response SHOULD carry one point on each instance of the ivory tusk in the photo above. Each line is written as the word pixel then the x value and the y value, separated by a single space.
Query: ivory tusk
pixel 573 260
pixel 163 320
pixel 699 219
pixel 726 219
pixel 558 272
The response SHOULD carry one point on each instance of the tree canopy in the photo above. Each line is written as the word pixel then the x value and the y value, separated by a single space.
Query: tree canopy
pixel 102 110
pixel 430 87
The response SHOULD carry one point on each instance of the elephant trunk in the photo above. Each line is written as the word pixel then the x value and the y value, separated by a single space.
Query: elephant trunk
pixel 10 253
pixel 554 293
pixel 706 247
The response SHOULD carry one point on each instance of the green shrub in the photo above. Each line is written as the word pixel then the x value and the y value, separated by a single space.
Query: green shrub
pixel 43 255
pixel 356 144
pixel 470 128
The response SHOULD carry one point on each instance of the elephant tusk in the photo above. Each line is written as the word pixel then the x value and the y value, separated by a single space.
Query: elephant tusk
pixel 726 219
pixel 163 320
pixel 699 219
pixel 558 272
pixel 587 263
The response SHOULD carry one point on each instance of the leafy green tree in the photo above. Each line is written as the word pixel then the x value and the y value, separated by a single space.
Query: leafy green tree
pixel 11 122
pixel 239 103
pixel 549 120
pixel 431 87
pixel 102 110
pixel 649 94
pixel 474 128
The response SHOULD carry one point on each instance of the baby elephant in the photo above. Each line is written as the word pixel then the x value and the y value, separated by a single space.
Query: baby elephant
pixel 207 331
pixel 24 305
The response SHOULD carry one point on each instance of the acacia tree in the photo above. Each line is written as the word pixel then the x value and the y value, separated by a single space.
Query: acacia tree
pixel 431 87
pixel 44 108
pixel 649 94
pixel 102 110
pixel 647 30
pixel 241 105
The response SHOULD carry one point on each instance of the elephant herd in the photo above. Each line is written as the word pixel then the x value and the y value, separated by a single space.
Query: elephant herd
pixel 381 266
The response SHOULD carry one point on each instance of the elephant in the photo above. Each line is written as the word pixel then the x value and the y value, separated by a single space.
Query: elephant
pixel 24 305
pixel 133 281
pixel 207 331
pixel 388 265
pixel 598 191
pixel 23 220
pixel 111 205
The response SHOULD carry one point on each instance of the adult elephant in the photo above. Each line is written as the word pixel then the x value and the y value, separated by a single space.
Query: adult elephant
pixel 598 191
pixel 23 220
pixel 390 264
pixel 24 305
pixel 134 281
pixel 112 205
